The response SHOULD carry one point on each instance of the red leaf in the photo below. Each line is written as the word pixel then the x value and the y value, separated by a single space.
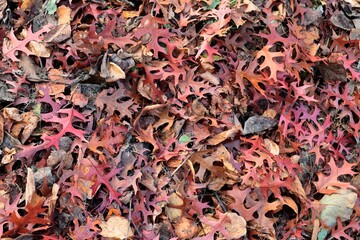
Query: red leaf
pixel 20 45
pixel 65 125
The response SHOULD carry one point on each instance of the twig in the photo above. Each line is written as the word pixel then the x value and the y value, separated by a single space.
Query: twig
pixel 222 205
pixel 181 164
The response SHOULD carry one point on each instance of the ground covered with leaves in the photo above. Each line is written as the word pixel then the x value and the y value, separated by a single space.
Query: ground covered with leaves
pixel 182 119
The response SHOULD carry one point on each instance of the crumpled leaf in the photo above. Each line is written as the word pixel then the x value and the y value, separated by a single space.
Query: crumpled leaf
pixel 224 135
pixel 1 128
pixel 173 209
pixel 332 71
pixel 116 227
pixel 336 205
pixel 340 20
pixel 272 146
pixel 24 128
pixel 230 225
pixel 257 124
pixel 185 228
pixel 8 155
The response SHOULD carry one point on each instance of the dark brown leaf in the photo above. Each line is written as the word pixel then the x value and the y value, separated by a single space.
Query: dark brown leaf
pixel 257 124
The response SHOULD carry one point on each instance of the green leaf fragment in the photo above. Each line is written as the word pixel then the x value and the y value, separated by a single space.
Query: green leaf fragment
pixel 322 234
pixel 184 139
pixel 51 7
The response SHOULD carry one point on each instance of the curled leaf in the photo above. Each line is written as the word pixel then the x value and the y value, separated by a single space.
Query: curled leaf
pixel 257 124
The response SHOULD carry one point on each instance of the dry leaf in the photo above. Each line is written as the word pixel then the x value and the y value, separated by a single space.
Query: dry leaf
pixel 172 210
pixel 8 155
pixel 56 75
pixel 257 124
pixel 25 127
pixel 30 186
pixel 270 113
pixel 336 205
pixel 12 114
pixel 219 138
pixel 185 228
pixel 115 72
pixel 236 227
pixel 54 88
pixel 39 49
pixel 52 200
pixel 272 147
pixel 80 99
pixel 116 227
pixel 211 78
pixel 1 128
pixel 64 15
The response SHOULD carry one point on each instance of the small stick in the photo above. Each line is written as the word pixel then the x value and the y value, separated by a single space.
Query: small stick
pixel 181 164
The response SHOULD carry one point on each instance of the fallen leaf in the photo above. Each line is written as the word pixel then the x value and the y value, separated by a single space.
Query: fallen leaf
pixel 173 210
pixel 115 72
pixel 185 228
pixel 272 147
pixel 270 113
pixel 116 227
pixel 236 227
pixel 30 186
pixel 24 128
pixel 1 128
pixel 258 124
pixel 8 155
pixel 336 205
pixel 219 138
pixel 39 49
pixel 332 71
pixel 340 20
pixel 80 99
pixel 12 114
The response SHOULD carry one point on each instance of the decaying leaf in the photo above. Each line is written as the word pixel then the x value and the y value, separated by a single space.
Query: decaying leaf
pixel 30 186
pixel 174 208
pixel 258 124
pixel 8 155
pixel 272 146
pixel 186 228
pixel 24 128
pixel 332 71
pixel 336 205
pixel 116 227
pixel 225 135
pixel 1 128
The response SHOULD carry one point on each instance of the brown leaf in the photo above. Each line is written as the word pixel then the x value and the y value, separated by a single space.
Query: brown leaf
pixel 185 228
pixel 257 124
pixel 270 113
pixel 236 227
pixel 64 14
pixel 8 155
pixel 332 71
pixel 219 138
pixel 3 5
pixel 340 20
pixel 173 210
pixel 211 78
pixel 30 186
pixel 80 99
pixel 1 128
pixel 116 227
pixel 25 127
pixel 272 147
pixel 39 49
pixel 12 114
pixel 115 72
pixel 33 72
